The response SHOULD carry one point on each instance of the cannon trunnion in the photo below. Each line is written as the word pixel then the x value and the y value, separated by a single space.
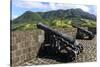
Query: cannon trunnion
pixel 58 46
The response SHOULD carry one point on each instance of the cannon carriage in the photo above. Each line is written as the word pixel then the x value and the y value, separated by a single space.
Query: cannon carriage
pixel 83 33
pixel 58 45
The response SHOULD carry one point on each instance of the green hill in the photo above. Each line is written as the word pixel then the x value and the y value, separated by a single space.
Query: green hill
pixel 57 18
pixel 28 17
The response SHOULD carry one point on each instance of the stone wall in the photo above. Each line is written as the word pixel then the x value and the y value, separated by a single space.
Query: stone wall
pixel 24 46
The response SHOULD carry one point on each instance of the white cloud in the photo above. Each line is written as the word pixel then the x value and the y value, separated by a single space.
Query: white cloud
pixel 68 6
pixel 51 6
pixel 56 6
pixel 83 7
pixel 14 16
pixel 29 4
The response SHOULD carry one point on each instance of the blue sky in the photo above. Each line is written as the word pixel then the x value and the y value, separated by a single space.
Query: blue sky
pixel 20 6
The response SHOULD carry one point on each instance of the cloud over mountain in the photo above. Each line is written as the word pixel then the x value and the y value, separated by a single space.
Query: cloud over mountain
pixel 51 6
pixel 20 6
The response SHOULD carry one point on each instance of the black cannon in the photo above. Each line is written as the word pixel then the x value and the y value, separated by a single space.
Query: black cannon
pixel 58 45
pixel 83 33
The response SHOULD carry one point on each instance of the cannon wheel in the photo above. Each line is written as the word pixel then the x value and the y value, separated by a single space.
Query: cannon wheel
pixel 69 55
pixel 80 46
pixel 91 37
pixel 72 55
pixel 79 36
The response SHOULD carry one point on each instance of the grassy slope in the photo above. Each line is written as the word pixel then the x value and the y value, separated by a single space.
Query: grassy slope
pixel 56 24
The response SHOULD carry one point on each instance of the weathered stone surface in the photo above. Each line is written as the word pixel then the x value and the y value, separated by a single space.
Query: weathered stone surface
pixel 25 45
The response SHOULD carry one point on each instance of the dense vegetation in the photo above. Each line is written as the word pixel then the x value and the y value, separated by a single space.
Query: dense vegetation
pixel 57 18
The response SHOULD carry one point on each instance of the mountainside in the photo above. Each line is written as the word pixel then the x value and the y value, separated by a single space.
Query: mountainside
pixel 30 16
pixel 70 13
pixel 57 18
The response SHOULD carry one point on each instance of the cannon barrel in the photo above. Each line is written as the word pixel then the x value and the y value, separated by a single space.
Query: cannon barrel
pixel 83 30
pixel 51 31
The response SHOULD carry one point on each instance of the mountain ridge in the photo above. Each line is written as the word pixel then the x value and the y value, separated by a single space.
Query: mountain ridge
pixel 35 17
